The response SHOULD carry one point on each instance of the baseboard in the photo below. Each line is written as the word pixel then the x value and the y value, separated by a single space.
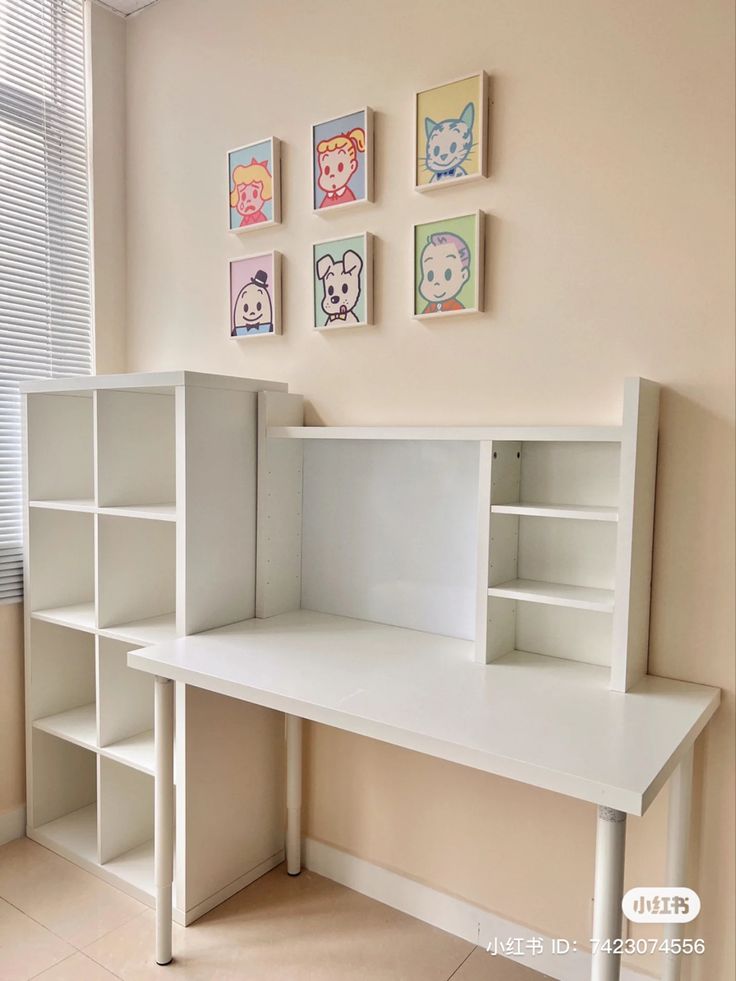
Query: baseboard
pixel 447 912
pixel 12 825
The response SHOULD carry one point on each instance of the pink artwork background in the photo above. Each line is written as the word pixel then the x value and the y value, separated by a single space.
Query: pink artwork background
pixel 243 270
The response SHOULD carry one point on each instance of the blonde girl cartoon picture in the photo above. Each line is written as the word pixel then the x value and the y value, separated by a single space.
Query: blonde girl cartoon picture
pixel 253 173
pixel 252 187
pixel 341 161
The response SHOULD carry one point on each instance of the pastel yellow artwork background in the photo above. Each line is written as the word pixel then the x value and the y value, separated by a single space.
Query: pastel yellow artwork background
pixel 447 102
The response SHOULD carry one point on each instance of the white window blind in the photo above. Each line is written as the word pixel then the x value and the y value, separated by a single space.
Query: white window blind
pixel 45 310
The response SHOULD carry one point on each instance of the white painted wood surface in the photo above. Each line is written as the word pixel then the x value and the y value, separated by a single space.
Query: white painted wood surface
pixel 389 533
pixel 605 434
pixel 425 692
pixel 279 513
pixel 635 533
pixel 149 381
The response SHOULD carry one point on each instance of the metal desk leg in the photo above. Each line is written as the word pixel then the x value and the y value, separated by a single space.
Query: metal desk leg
pixel 678 832
pixel 293 794
pixel 164 815
pixel 610 849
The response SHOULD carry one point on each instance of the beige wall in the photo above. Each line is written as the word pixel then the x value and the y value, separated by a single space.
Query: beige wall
pixel 107 70
pixel 610 253
pixel 12 735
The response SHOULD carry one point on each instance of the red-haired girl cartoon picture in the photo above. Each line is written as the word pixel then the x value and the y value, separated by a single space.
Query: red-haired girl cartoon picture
pixel 341 155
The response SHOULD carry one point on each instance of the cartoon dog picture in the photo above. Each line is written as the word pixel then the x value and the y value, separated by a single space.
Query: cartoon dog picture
pixel 341 285
pixel 253 310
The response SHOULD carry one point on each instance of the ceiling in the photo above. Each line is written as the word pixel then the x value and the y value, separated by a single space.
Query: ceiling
pixel 126 7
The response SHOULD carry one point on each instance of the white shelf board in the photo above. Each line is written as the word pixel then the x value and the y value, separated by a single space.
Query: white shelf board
pixel 80 616
pixel 136 751
pixel 77 725
pixel 74 835
pixel 154 512
pixel 135 867
pixel 154 630
pixel 555 594
pixel 74 504
pixel 580 512
pixel 547 722
pixel 150 381
pixel 586 434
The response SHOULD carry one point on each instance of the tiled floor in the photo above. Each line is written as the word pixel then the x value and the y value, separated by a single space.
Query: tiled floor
pixel 58 923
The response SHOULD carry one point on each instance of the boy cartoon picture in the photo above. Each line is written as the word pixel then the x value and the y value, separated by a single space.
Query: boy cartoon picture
pixel 341 164
pixel 252 187
pixel 448 266
pixel 253 192
pixel 445 269
pixel 254 295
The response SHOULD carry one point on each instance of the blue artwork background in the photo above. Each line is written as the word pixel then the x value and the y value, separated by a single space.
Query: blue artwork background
pixel 322 131
pixel 242 157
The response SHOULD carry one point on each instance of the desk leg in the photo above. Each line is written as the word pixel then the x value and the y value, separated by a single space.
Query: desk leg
pixel 164 815
pixel 293 794
pixel 678 832
pixel 610 849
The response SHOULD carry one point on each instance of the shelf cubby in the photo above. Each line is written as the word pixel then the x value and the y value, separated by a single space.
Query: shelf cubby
pixel 61 564
pixel 61 677
pixel 63 795
pixel 136 574
pixel 125 809
pixel 61 448
pixel 136 458
pixel 125 699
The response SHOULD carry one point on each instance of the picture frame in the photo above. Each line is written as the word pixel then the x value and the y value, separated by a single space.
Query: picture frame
pixel 254 185
pixel 342 269
pixel 340 139
pixel 450 133
pixel 448 266
pixel 254 295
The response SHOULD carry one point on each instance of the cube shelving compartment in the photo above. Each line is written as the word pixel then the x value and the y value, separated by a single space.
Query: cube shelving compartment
pixel 134 483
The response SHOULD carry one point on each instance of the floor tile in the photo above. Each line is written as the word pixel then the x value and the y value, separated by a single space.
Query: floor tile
pixel 25 947
pixel 78 967
pixel 482 966
pixel 290 929
pixel 62 897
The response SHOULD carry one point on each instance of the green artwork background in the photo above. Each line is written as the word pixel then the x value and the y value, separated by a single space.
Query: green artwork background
pixel 465 227
pixel 337 249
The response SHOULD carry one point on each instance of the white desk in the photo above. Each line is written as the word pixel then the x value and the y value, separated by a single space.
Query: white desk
pixel 542 721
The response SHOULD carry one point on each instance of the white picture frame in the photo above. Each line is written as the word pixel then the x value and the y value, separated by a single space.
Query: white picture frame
pixel 343 125
pixel 455 303
pixel 248 267
pixel 238 157
pixel 343 276
pixel 452 89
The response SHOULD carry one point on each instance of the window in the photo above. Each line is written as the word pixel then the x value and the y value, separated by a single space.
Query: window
pixel 45 308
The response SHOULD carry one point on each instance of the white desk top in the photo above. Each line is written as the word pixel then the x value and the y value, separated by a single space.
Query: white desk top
pixel 546 722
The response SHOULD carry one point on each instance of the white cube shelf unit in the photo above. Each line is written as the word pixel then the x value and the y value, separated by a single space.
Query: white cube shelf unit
pixel 524 540
pixel 141 526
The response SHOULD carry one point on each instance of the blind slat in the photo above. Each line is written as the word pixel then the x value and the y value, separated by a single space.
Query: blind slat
pixel 45 308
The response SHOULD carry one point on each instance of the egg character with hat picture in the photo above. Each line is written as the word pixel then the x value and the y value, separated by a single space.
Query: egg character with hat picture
pixel 254 295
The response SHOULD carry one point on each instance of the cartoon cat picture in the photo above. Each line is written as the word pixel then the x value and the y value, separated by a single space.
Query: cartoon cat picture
pixel 253 313
pixel 449 144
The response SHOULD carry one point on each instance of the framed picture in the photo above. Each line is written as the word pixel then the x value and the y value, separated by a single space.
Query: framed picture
pixel 448 266
pixel 450 132
pixel 254 290
pixel 254 185
pixel 342 161
pixel 342 278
